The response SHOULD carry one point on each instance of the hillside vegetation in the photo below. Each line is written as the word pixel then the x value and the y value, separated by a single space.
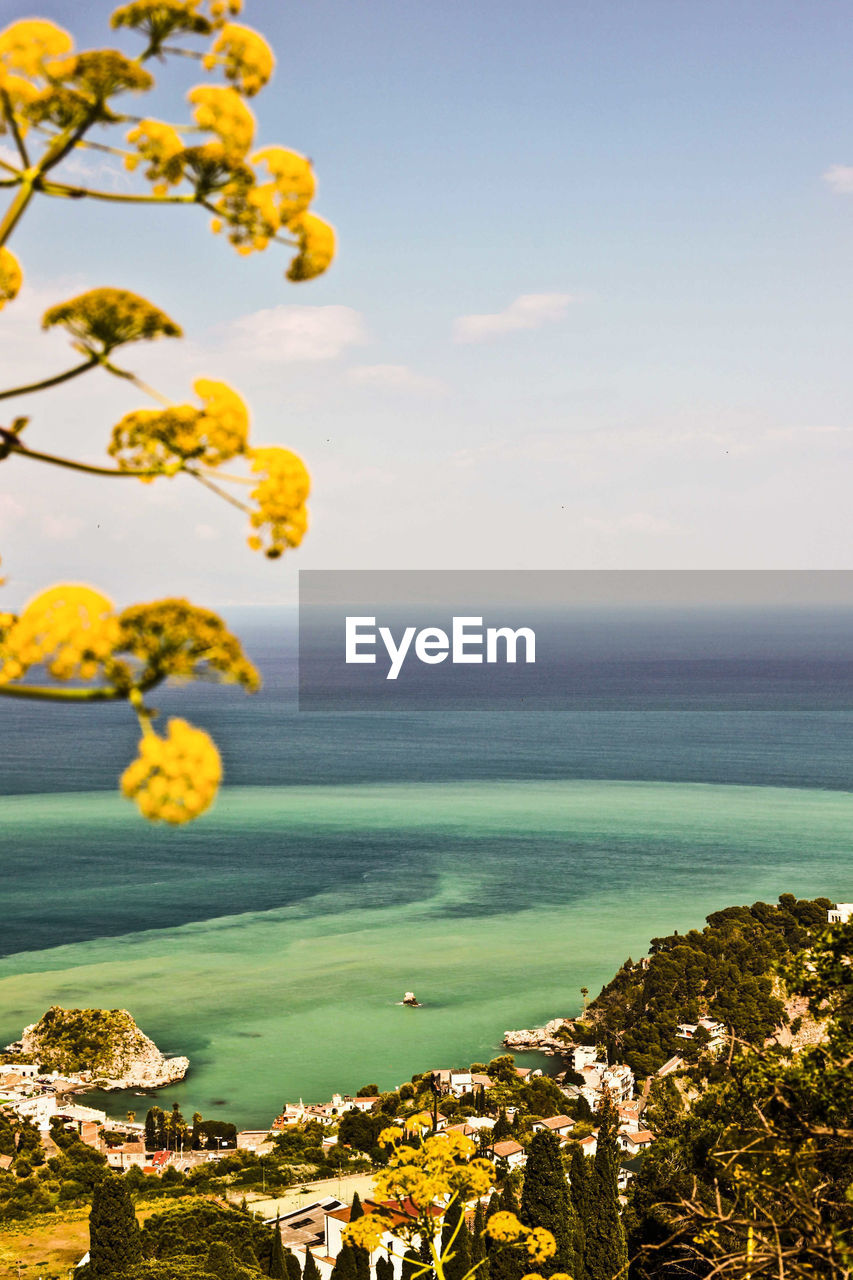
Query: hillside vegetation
pixel 725 971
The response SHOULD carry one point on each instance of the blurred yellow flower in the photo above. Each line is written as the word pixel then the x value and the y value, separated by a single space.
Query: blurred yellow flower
pixel 316 246
pixel 245 56
pixel 223 112
pixel 70 627
pixel 159 144
pixel 103 319
pixel 293 180
pixel 24 45
pixel 151 439
pixel 504 1227
pixel 281 518
pixel 11 277
pixel 174 779
pixel 540 1244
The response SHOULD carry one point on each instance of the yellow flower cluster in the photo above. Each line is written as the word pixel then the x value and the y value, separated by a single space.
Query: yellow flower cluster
pixel 70 628
pixel 505 1228
pixel 25 45
pixel 293 182
pixel 281 518
pixel 254 211
pixel 316 246
pixel 173 638
pixel 222 111
pixel 81 85
pixel 10 277
pixel 221 9
pixel 245 56
pixel 164 439
pixel 161 146
pixel 159 19
pixel 175 778
pixel 102 319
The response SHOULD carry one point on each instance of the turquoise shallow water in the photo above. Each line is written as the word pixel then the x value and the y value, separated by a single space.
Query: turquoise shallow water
pixel 272 941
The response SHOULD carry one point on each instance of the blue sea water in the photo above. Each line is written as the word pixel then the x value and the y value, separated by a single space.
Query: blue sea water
pixel 494 862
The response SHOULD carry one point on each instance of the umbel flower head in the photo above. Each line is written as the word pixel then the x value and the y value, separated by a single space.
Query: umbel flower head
pixel 222 111
pixel 245 57
pixel 281 518
pixel 160 145
pixel 70 628
pixel 316 246
pixel 160 19
pixel 149 439
pixel 81 84
pixel 10 277
pixel 174 778
pixel 26 45
pixel 102 319
pixel 173 638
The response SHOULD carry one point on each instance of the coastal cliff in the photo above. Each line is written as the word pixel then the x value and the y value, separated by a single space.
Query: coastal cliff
pixel 103 1046
pixel 546 1039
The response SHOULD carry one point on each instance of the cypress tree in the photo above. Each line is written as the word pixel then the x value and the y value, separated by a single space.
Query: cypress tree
pixel 411 1265
pixel 278 1266
pixel 345 1267
pixel 545 1200
pixel 502 1128
pixel 460 1263
pixel 478 1240
pixel 114 1244
pixel 580 1191
pixel 506 1262
pixel 360 1254
pixel 384 1268
pixel 150 1131
pixel 425 1257
pixel 310 1271
pixel 291 1262
pixel 606 1250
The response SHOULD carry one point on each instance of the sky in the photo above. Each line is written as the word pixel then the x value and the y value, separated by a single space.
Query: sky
pixel 591 307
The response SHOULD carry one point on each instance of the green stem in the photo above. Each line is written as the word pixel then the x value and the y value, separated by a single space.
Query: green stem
pixel 214 488
pixel 16 209
pixel 45 693
pixel 9 113
pixel 70 464
pixel 63 189
pixel 50 382
pixel 137 382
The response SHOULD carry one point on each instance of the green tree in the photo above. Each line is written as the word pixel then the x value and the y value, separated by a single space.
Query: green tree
pixel 545 1200
pixel 361 1256
pixel 114 1244
pixel 310 1271
pixel 291 1262
pixel 278 1265
pixel 583 1204
pixel 345 1264
pixel 221 1261
pixel 605 1250
pixel 505 1263
pixel 411 1266
pixel 456 1255
pixel 384 1267
pixel 502 1127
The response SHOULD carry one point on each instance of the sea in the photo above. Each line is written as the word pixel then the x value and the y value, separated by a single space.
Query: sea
pixel 492 861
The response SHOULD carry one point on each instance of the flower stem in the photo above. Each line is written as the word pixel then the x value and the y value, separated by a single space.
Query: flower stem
pixel 50 382
pixel 55 460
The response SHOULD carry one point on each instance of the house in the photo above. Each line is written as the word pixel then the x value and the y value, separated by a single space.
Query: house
pixel 716 1031
pixel 480 1081
pixel 617 1080
pixel 841 913
pixel 561 1125
pixel 589 1145
pixel 634 1142
pixel 27 1070
pixel 337 1219
pixel 629 1115
pixel 671 1064
pixel 128 1154
pixel 582 1055
pixel 510 1151
pixel 306 1226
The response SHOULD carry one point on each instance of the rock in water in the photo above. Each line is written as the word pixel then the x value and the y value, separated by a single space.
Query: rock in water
pixel 409 998
pixel 104 1045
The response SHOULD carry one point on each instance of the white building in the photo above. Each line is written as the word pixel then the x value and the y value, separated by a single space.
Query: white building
pixel 841 913
pixel 583 1055
pixel 716 1031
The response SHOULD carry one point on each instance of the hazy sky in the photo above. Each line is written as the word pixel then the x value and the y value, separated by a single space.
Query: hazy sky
pixel 592 306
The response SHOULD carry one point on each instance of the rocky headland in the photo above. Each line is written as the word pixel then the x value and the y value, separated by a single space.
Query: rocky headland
pixel 100 1047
